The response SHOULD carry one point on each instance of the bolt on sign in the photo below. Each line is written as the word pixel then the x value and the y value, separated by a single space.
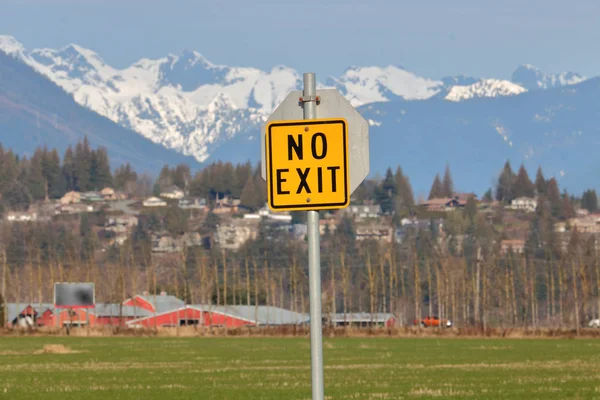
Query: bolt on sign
pixel 307 164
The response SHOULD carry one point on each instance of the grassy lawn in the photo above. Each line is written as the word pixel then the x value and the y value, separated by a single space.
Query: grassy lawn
pixel 279 368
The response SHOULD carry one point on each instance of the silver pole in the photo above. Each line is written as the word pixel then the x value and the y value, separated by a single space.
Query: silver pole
pixel 314 262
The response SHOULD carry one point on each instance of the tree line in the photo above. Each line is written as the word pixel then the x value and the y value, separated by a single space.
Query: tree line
pixel 455 268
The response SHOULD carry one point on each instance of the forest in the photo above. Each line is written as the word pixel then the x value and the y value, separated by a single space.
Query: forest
pixel 454 268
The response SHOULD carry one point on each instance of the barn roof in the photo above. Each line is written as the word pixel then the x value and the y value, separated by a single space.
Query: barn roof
pixel 113 310
pixel 263 315
pixel 163 303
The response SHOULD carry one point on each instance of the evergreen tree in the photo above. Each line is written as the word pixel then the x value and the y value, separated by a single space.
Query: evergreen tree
pixel 447 183
pixel 523 185
pixel 182 176
pixel 437 189
pixel 488 197
pixel 541 186
pixel 387 192
pixel 68 169
pixel 567 210
pixel 229 180
pixel 242 173
pixel 165 178
pixel 83 159
pixel 589 200
pixel 405 200
pixel 36 184
pixel 554 198
pixel 16 197
pixel 52 174
pixel 250 197
pixel 100 175
pixel 8 169
pixel 505 188
pixel 471 209
pixel 261 190
pixel 125 178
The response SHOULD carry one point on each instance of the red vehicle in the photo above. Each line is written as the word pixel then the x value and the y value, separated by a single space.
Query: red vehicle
pixel 433 321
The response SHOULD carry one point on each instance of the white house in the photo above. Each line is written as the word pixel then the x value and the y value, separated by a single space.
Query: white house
pixel 524 203
pixel 364 211
pixel 265 212
pixel 234 234
pixel 154 202
pixel 172 192
pixel 21 216
pixel 192 203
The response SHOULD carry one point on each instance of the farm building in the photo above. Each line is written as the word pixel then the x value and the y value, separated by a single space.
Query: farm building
pixel 222 316
pixel 362 319
pixel 26 314
pixel 154 311
pixel 44 315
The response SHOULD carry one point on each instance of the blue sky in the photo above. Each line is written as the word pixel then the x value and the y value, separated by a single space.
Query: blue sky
pixel 432 38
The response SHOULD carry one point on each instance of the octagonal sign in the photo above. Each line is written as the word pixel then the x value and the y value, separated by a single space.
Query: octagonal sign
pixel 332 105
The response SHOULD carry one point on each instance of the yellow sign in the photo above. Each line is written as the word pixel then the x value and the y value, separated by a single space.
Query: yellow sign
pixel 307 164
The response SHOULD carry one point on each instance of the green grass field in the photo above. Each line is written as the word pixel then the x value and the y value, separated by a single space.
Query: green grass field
pixel 279 368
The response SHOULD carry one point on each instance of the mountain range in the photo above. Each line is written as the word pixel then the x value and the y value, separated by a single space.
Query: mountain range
pixel 202 111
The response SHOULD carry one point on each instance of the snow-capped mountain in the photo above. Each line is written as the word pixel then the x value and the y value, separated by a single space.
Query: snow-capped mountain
pixel 182 102
pixel 186 103
pixel 10 46
pixel 484 88
pixel 373 84
pixel 532 78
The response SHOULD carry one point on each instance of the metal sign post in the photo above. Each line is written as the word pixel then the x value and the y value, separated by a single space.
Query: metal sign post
pixel 309 99
pixel 314 165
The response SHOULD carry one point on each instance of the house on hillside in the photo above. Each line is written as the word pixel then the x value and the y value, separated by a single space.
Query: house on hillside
pixel 326 224
pixel 109 194
pixel 234 234
pixel 70 198
pixel 526 204
pixel 363 211
pixel 165 244
pixel 13 216
pixel 226 205
pixel 172 192
pixel 516 245
pixel 192 203
pixel 76 208
pixel 442 204
pixel 265 212
pixel 375 232
pixel 92 196
pixel 154 202
pixel 121 224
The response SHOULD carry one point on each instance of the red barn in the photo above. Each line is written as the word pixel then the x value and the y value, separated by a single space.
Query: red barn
pixel 45 315
pixel 190 315
pixel 222 316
